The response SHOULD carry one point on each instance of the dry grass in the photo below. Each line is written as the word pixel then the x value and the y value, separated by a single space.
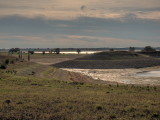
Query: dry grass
pixel 32 98
pixel 36 98
pixel 111 60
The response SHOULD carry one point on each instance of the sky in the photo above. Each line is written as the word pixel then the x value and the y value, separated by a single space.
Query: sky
pixel 79 23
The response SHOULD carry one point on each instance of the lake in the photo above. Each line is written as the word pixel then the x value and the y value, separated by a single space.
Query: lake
pixel 149 74
pixel 69 52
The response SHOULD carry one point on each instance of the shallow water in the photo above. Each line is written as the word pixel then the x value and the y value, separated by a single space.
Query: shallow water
pixel 72 52
pixel 149 74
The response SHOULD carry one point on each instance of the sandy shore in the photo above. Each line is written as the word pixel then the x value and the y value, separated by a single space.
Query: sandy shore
pixel 124 76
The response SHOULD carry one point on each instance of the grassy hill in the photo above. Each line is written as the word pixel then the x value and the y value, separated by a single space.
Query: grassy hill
pixel 111 60
pixel 113 55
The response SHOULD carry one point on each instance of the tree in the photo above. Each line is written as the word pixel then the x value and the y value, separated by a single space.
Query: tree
pixel 57 50
pixel 111 50
pixel 31 52
pixel 43 52
pixel 131 49
pixel 51 51
pixel 12 50
pixel 148 49
pixel 78 50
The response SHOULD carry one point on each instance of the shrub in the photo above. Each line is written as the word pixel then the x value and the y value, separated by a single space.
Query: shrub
pixel 12 61
pixel 7 101
pixel 99 108
pixel 148 49
pixel 3 66
pixel 76 83
pixel 7 61
pixel 112 117
pixel 156 116
pixel 155 88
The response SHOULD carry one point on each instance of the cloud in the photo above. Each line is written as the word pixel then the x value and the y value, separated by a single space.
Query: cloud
pixel 72 9
pixel 70 41
pixel 106 41
pixel 80 32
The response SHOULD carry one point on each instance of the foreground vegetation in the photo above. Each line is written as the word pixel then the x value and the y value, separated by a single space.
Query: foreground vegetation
pixel 35 98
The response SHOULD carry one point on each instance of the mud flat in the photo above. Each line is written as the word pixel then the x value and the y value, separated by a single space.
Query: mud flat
pixel 124 76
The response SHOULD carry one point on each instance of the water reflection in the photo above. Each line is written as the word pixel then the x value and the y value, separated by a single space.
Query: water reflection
pixel 149 74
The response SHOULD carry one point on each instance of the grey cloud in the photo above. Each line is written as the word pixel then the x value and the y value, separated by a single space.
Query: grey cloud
pixel 134 9
pixel 14 7
pixel 130 16
pixel 137 29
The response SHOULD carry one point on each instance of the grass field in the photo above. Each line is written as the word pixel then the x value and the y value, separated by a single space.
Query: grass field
pixel 32 98
pixel 36 97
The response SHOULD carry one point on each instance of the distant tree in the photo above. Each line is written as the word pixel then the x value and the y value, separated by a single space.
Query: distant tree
pixel 131 49
pixel 50 51
pixel 7 61
pixel 111 49
pixel 31 52
pixel 148 49
pixel 12 50
pixel 78 50
pixel 17 49
pixel 43 52
pixel 57 50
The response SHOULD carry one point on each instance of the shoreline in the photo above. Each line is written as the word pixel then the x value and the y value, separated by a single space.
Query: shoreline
pixel 120 76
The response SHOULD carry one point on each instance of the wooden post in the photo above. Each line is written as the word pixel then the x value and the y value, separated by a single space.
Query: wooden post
pixel 28 56
pixel 19 56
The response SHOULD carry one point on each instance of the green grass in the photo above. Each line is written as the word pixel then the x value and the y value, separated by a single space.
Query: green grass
pixel 35 98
